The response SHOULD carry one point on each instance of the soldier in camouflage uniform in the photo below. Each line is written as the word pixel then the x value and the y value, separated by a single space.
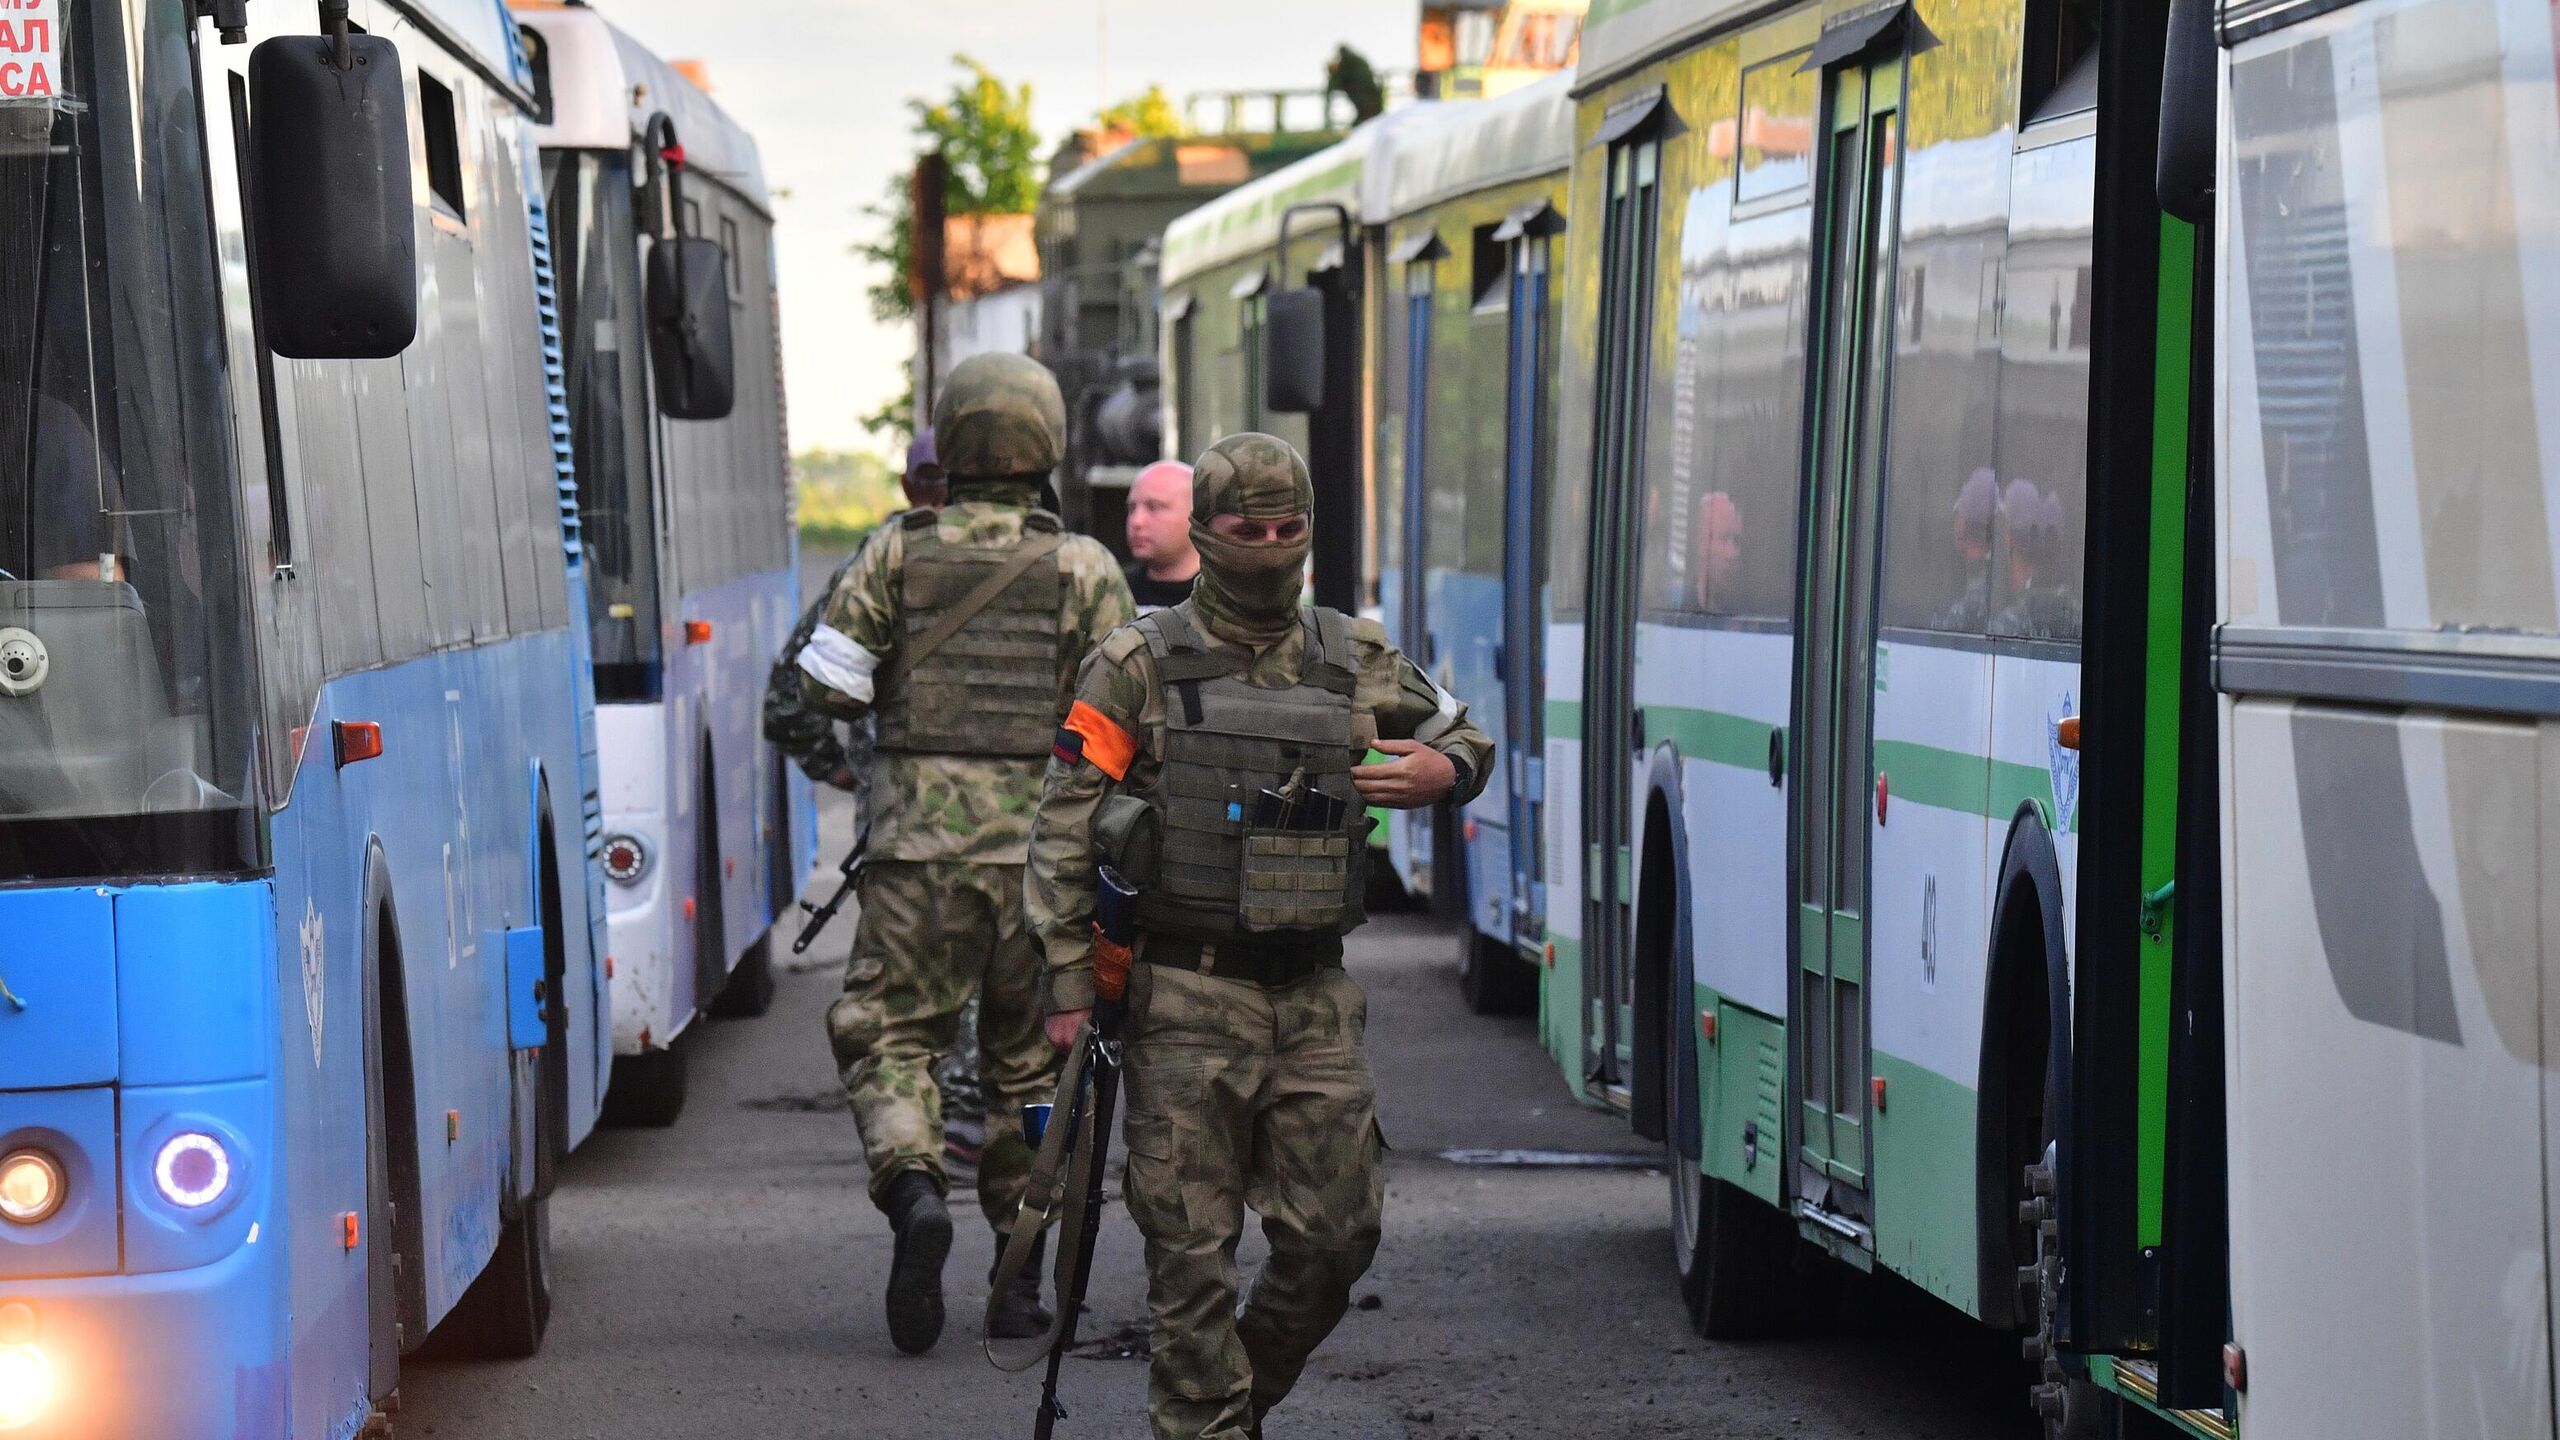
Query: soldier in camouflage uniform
pixel 966 703
pixel 1248 1075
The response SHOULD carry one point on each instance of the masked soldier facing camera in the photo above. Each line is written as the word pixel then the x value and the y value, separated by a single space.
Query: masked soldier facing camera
pixel 1212 756
pixel 961 630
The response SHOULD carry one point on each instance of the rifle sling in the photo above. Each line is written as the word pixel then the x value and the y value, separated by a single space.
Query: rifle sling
pixel 1033 551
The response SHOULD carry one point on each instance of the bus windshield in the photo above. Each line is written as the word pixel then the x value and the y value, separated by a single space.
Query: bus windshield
pixel 125 666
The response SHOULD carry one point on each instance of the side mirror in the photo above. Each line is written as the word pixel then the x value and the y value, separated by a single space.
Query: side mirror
pixel 330 200
pixel 690 350
pixel 1293 352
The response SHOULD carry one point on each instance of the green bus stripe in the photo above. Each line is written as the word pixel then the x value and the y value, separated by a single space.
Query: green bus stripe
pixel 2162 685
pixel 1917 774
pixel 1711 735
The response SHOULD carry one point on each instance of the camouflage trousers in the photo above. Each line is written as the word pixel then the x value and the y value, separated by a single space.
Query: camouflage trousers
pixel 1238 1096
pixel 934 934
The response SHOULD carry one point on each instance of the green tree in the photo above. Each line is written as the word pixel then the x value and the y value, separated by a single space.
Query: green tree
pixel 1150 116
pixel 983 129
pixel 843 494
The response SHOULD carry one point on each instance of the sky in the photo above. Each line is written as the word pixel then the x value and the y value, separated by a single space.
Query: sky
pixel 823 85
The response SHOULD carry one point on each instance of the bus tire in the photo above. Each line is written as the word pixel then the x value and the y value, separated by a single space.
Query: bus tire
pixel 749 992
pixel 2068 1405
pixel 508 1308
pixel 1736 1256
pixel 1493 978
pixel 647 1091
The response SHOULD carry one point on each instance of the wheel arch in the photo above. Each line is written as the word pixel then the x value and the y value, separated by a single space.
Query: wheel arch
pixel 1664 942
pixel 388 1035
pixel 2026 1047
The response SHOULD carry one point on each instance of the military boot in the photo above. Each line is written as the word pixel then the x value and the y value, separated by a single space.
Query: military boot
pixel 1017 1313
pixel 923 1225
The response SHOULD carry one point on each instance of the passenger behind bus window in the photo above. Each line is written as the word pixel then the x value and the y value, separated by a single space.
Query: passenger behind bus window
pixel 1976 505
pixel 1716 558
pixel 67 536
pixel 2036 598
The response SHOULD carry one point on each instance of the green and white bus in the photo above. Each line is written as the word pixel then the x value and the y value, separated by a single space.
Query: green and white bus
pixel 2308 1185
pixel 1813 667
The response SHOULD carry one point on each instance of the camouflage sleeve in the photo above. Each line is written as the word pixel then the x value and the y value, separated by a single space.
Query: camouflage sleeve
pixel 1096 752
pixel 1410 705
pixel 1098 602
pixel 857 628
pixel 795 726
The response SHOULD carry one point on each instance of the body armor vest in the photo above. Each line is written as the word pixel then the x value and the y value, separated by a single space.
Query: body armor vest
pixel 992 688
pixel 1226 742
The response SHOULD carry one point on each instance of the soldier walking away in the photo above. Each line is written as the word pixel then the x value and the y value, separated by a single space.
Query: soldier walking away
pixel 959 632
pixel 1211 755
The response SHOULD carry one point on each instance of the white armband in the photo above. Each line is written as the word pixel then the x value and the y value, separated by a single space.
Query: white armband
pixel 1442 720
pixel 833 659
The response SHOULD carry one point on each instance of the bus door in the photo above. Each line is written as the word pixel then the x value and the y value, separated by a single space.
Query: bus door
pixel 1522 669
pixel 1611 738
pixel 1413 635
pixel 1849 358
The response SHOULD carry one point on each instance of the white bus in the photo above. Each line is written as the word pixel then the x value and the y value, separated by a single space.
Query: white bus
pixel 684 483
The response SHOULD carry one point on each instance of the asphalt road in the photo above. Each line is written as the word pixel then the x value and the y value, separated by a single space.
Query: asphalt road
pixel 722 1278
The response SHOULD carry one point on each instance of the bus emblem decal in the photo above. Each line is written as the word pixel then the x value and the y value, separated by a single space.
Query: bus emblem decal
pixel 315 957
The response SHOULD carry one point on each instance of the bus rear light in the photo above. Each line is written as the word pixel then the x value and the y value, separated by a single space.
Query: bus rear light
pixel 26 1386
pixel 350 1230
pixel 697 632
pixel 1707 1025
pixel 357 740
pixel 192 1170
pixel 32 1186
pixel 626 859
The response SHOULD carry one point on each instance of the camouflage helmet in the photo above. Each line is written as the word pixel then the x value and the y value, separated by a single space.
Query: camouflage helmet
pixel 999 415
pixel 1261 477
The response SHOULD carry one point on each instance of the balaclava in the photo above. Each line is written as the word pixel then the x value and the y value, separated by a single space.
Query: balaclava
pixel 1249 593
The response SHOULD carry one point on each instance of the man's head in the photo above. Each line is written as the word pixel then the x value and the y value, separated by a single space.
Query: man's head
pixel 923 479
pixel 999 418
pixel 1160 520
pixel 1253 522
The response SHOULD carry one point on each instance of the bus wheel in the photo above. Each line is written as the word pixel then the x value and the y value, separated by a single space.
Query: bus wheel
pixel 1494 980
pixel 1736 1256
pixel 647 1090
pixel 2068 1404
pixel 749 992
pixel 505 1312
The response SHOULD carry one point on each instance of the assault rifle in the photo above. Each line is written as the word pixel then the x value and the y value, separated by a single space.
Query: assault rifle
pixel 1080 1142
pixel 819 915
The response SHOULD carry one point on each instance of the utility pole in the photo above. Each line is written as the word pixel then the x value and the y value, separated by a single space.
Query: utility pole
pixel 931 277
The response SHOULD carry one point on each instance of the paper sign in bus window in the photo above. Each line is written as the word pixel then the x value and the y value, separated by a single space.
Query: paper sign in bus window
pixel 30 50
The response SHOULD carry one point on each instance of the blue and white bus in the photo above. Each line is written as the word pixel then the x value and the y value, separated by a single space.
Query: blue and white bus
pixel 300 997
pixel 691 533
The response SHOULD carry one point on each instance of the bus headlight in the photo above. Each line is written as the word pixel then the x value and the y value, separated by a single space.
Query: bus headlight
pixel 26 1385
pixel 625 859
pixel 192 1170
pixel 31 1187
